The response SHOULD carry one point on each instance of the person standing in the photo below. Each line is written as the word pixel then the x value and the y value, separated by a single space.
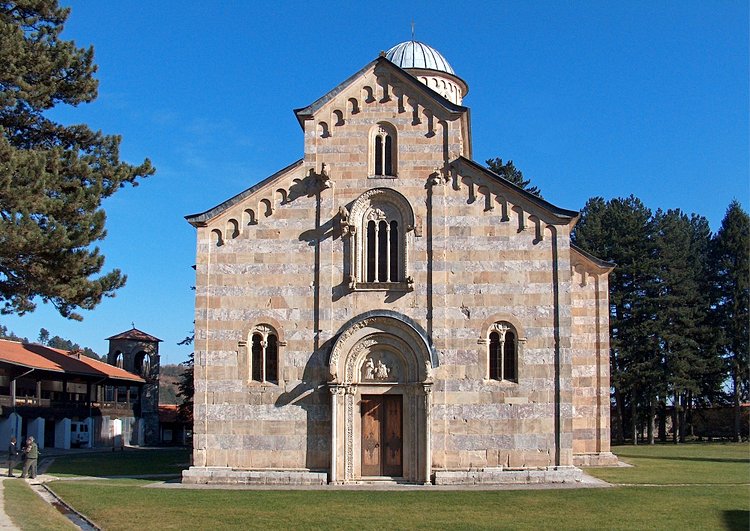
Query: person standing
pixel 31 452
pixel 12 456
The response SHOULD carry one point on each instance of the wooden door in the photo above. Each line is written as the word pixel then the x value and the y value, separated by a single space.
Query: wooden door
pixel 382 435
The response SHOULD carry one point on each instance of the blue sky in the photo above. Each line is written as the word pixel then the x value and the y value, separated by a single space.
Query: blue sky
pixel 588 98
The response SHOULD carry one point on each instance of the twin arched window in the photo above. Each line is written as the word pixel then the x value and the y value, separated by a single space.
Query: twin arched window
pixel 383 150
pixel 264 355
pixel 503 352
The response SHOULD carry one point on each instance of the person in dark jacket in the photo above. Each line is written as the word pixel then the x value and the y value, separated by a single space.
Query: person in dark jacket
pixel 31 454
pixel 12 456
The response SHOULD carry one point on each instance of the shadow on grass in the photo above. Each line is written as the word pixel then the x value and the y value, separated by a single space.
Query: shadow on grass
pixel 736 520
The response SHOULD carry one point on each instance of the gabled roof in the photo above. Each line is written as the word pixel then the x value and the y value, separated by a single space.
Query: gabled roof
pixel 40 357
pixel 305 113
pixel 562 214
pixel 135 335
pixel 197 220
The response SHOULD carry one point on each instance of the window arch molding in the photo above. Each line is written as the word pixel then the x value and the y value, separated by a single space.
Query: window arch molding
pixel 504 339
pixel 381 223
pixel 383 157
pixel 263 353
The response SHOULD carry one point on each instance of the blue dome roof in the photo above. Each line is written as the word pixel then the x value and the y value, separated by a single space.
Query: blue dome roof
pixel 415 54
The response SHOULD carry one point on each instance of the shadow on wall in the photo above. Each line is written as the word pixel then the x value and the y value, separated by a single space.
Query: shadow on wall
pixel 313 397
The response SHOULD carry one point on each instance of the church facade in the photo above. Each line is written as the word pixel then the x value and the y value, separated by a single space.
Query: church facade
pixel 387 308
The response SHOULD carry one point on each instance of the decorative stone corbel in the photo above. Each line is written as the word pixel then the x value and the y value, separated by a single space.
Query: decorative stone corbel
pixel 344 221
pixel 410 283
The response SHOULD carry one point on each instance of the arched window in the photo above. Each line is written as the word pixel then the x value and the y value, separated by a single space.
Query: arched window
pixel 380 221
pixel 383 151
pixel 384 248
pixel 264 355
pixel 503 352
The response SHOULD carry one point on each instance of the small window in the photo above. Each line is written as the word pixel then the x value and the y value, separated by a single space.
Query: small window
pixel 264 355
pixel 503 353
pixel 383 147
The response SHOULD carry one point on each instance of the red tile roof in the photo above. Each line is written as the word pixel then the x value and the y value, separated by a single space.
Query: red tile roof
pixel 35 356
pixel 136 335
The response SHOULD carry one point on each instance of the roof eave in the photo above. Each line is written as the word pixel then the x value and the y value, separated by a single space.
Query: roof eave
pixel 562 215
pixel 202 219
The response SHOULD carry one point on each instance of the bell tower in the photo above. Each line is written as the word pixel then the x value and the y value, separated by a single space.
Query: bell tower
pixel 138 352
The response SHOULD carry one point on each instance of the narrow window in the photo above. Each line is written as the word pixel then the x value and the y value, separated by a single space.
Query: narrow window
pixel 272 353
pixel 371 251
pixel 257 358
pixel 509 356
pixel 495 356
pixel 394 276
pixel 388 156
pixel 378 155
pixel 383 251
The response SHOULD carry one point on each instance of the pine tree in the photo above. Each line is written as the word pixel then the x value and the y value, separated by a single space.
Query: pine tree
pixel 52 177
pixel 509 172
pixel 186 384
pixel 621 231
pixel 730 264
pixel 680 320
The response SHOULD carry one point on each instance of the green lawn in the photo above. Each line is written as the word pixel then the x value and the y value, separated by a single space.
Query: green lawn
pixel 29 511
pixel 125 463
pixel 680 464
pixel 698 486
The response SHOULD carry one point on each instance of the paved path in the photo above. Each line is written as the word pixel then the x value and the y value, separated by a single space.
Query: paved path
pixel 5 522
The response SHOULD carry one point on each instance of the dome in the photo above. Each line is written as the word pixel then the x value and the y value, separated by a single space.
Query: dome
pixel 415 54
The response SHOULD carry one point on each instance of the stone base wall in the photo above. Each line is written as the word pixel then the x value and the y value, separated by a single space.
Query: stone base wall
pixel 596 459
pixel 229 476
pixel 503 476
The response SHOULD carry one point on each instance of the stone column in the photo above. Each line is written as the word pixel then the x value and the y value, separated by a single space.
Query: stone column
pixel 427 388
pixel 337 391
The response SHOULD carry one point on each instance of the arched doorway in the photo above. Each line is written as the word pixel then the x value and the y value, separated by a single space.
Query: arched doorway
pixel 380 382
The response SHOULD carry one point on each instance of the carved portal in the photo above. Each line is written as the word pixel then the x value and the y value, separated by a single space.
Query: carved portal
pixel 381 361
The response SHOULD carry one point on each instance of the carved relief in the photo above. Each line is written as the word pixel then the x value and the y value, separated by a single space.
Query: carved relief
pixel 375 370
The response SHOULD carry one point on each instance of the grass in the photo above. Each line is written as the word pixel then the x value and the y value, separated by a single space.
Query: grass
pixel 28 511
pixel 125 463
pixel 680 464
pixel 125 507
pixel 698 486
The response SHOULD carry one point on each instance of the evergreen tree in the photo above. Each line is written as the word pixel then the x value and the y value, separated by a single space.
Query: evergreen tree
pixel 43 338
pixel 52 177
pixel 621 231
pixel 186 384
pixel 510 173
pixel 730 262
pixel 7 334
pixel 681 315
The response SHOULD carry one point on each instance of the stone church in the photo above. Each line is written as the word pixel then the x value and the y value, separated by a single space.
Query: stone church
pixel 386 308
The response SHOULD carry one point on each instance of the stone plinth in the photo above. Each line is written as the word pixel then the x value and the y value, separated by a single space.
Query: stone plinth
pixel 502 476
pixel 229 476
